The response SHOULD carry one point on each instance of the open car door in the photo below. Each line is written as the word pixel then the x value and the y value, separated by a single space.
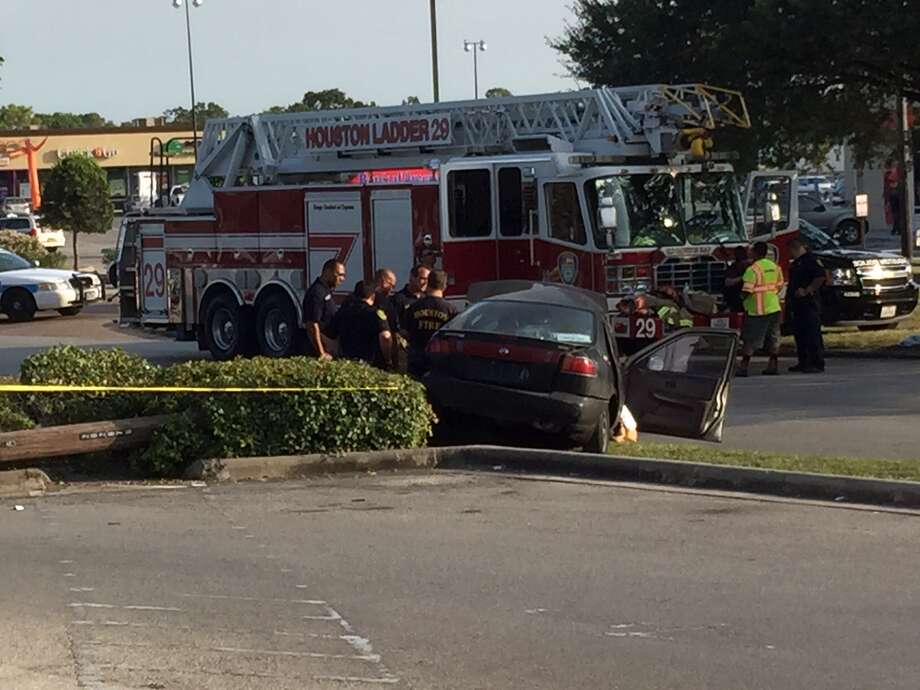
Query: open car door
pixel 679 386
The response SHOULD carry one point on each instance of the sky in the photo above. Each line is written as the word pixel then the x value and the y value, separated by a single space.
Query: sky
pixel 127 58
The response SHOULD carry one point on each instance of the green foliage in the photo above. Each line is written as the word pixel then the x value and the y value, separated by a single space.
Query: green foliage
pixel 14 116
pixel 203 112
pixel 329 99
pixel 498 92
pixel 234 425
pixel 30 249
pixel 76 198
pixel 804 94
pixel 69 365
pixel 241 425
pixel 12 416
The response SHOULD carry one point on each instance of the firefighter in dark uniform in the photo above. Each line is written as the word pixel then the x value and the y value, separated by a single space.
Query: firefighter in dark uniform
pixel 413 291
pixel 803 307
pixel 362 329
pixel 319 308
pixel 424 318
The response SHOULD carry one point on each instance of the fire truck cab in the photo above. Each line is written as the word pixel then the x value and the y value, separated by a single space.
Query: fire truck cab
pixel 614 190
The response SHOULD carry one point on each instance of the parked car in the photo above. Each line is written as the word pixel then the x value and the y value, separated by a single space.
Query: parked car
pixel 870 290
pixel 819 185
pixel 840 222
pixel 26 289
pixel 545 358
pixel 28 224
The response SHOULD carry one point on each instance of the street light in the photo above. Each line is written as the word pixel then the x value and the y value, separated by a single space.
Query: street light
pixel 434 52
pixel 475 47
pixel 191 70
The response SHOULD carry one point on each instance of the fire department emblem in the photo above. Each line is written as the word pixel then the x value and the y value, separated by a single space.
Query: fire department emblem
pixel 567 263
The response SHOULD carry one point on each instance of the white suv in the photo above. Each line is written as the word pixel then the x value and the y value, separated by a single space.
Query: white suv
pixel 52 240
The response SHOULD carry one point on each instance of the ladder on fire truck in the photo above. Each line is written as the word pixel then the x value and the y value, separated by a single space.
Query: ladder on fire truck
pixel 639 122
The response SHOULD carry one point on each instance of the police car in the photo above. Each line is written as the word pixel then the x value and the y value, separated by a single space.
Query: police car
pixel 26 289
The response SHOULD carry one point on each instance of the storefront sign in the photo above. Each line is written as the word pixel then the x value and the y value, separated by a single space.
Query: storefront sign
pixel 99 152
pixel 384 133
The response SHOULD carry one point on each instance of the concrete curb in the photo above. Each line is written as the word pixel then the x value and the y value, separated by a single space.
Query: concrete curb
pixel 672 472
pixel 695 475
pixel 23 482
pixel 299 466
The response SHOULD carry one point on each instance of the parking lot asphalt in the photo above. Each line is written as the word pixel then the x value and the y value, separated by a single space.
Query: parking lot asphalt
pixel 452 580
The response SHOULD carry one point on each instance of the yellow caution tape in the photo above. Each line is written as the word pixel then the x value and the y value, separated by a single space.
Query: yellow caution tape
pixel 15 388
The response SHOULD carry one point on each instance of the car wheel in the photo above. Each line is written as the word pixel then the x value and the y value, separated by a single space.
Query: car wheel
pixel 847 232
pixel 277 330
pixel 224 328
pixel 69 311
pixel 18 305
pixel 600 440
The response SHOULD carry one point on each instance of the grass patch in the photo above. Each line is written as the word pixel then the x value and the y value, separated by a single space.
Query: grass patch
pixel 907 470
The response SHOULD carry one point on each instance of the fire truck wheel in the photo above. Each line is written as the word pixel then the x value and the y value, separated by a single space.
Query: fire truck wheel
pixel 223 330
pixel 276 327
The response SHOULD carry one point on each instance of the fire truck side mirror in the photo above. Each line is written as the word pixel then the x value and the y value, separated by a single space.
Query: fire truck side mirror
pixel 607 215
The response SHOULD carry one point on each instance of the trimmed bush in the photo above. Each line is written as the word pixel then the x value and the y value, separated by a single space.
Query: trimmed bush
pixel 234 424
pixel 12 416
pixel 30 249
pixel 69 365
pixel 255 424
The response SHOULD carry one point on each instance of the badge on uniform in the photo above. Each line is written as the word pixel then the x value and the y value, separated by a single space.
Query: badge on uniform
pixel 381 314
pixel 327 297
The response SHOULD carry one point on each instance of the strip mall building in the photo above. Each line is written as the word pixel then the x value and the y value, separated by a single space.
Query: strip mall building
pixel 122 151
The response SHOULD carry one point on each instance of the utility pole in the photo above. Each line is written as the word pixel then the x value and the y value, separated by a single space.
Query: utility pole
pixel 434 51
pixel 906 221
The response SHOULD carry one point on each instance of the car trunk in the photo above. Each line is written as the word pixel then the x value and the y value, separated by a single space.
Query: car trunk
pixel 520 363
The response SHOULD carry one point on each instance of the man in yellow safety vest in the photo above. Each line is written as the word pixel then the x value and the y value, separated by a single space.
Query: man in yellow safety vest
pixel 761 285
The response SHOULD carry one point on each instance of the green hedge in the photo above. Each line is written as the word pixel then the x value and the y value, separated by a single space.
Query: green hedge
pixel 12 415
pixel 235 425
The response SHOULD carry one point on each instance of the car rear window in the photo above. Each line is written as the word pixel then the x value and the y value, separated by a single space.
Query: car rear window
pixel 548 322
pixel 15 224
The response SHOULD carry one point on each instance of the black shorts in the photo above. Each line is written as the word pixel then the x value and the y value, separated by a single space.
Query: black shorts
pixel 762 332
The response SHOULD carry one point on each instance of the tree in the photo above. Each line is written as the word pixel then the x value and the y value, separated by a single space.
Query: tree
pixel 70 121
pixel 14 116
pixel 329 99
pixel 76 198
pixel 498 92
pixel 203 111
pixel 411 100
pixel 804 95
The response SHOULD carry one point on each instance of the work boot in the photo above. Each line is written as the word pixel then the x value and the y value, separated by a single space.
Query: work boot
pixel 772 368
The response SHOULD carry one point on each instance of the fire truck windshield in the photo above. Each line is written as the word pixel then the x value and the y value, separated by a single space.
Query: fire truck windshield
pixel 666 210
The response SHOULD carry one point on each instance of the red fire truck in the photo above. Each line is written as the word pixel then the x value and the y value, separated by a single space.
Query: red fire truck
pixel 615 190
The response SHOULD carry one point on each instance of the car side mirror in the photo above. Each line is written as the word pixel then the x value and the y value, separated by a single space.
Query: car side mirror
pixel 36 263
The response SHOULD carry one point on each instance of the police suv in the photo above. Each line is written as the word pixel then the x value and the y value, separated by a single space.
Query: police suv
pixel 26 289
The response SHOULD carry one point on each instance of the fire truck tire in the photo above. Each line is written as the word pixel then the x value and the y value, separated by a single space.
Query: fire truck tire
pixel 277 330
pixel 224 328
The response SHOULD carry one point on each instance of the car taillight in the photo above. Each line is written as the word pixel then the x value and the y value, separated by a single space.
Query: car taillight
pixel 579 365
pixel 34 232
